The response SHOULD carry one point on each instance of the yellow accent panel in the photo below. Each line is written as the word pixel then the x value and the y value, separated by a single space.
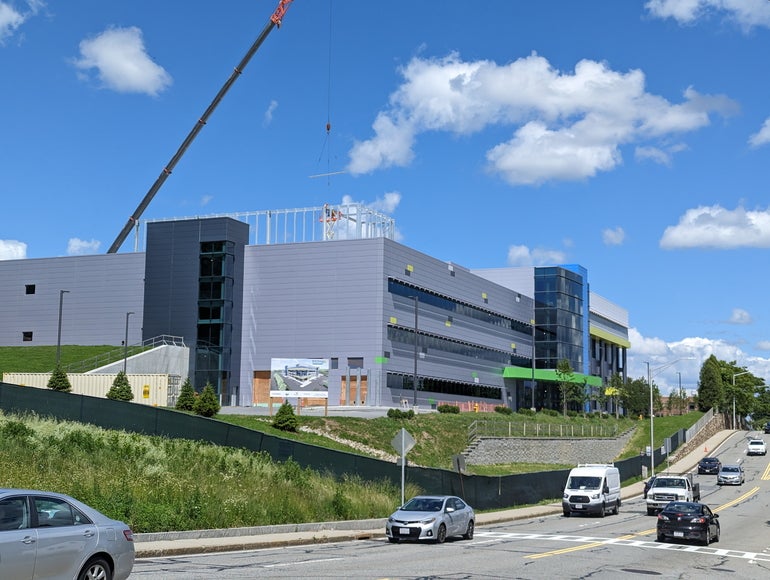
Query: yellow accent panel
pixel 393 320
pixel 608 337
pixel 409 268
pixel 484 295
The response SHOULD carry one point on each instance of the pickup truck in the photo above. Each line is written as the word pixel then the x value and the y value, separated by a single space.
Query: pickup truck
pixel 668 488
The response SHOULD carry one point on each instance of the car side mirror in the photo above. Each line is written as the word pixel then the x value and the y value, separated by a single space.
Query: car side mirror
pixel 716 516
pixel 449 509
pixel 606 489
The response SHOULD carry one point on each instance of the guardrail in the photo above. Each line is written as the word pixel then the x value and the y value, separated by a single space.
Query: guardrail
pixel 504 429
pixel 119 353
pixel 700 424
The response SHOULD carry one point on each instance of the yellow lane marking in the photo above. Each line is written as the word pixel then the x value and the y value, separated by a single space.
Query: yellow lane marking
pixel 745 496
pixel 766 474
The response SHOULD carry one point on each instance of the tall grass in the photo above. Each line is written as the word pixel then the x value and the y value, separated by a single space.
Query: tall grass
pixel 159 484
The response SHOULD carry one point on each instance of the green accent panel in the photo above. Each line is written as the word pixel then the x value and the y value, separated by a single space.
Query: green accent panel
pixel 548 375
pixel 381 360
pixel 608 337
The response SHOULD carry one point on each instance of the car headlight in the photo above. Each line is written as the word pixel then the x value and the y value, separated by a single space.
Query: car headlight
pixel 595 496
pixel 391 520
pixel 429 520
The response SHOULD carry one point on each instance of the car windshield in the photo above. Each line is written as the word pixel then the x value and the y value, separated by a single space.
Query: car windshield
pixel 423 504
pixel 756 442
pixel 668 482
pixel 584 482
pixel 730 468
pixel 709 460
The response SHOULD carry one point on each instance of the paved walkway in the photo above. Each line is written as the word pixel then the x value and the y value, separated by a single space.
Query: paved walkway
pixel 205 541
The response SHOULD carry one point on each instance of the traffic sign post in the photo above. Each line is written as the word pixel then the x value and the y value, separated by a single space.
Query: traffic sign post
pixel 403 443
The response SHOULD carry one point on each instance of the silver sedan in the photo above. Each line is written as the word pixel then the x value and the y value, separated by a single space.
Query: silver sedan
pixel 431 517
pixel 51 535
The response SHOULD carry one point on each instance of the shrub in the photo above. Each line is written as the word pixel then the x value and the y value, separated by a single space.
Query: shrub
pixel 186 400
pixel 207 404
pixel 503 410
pixel 524 411
pixel 551 412
pixel 285 419
pixel 120 389
pixel 59 380
pixel 399 414
pixel 449 409
pixel 16 430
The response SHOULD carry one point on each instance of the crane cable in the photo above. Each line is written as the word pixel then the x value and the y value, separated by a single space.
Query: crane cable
pixel 326 144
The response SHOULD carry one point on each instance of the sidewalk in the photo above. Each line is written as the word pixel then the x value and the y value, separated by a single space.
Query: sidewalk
pixel 207 541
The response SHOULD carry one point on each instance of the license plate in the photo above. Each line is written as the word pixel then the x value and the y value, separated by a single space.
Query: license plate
pixel 403 531
pixel 679 534
pixel 578 506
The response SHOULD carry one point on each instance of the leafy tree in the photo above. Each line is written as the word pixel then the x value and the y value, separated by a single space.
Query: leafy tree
pixel 59 380
pixel 186 400
pixel 570 392
pixel 120 389
pixel 636 398
pixel 710 388
pixel 207 403
pixel 285 419
pixel 614 391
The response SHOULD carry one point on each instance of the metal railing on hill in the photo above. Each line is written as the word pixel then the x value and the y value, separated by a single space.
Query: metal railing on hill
pixel 503 429
pixel 119 353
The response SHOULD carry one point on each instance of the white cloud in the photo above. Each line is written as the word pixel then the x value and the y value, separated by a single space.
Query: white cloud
pixel 685 356
pixel 78 247
pixel 565 125
pixel 523 256
pixel 740 316
pixel 653 154
pixel 763 345
pixel 747 13
pixel 269 112
pixel 613 237
pixel 206 199
pixel 717 227
pixel 12 250
pixel 761 137
pixel 122 63
pixel 10 21
pixel 386 204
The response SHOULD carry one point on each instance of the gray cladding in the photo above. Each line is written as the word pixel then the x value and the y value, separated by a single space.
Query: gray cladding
pixel 101 289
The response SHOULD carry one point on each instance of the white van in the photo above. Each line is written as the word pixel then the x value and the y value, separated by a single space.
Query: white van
pixel 592 489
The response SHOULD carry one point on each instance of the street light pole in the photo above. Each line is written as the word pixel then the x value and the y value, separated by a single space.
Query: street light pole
pixel 736 375
pixel 58 336
pixel 125 344
pixel 414 377
pixel 533 365
pixel 652 428
pixel 652 411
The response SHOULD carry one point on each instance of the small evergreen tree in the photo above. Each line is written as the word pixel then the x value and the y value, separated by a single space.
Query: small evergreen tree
pixel 186 400
pixel 59 380
pixel 285 419
pixel 710 388
pixel 120 389
pixel 207 403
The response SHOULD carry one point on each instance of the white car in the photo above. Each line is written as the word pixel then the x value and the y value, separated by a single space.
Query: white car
pixel 51 535
pixel 431 517
pixel 756 447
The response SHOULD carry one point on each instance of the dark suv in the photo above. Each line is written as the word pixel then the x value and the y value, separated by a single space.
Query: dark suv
pixel 767 427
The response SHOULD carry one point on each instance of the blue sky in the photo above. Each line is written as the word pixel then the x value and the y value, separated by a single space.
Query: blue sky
pixel 630 137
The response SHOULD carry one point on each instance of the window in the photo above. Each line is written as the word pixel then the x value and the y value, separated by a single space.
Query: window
pixel 14 514
pixel 29 288
pixel 26 336
pixel 355 362
pixel 55 513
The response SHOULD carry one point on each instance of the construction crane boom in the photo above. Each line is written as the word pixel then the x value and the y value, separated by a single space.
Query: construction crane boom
pixel 275 21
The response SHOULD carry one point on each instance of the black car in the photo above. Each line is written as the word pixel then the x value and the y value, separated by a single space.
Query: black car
pixel 686 520
pixel 767 427
pixel 709 465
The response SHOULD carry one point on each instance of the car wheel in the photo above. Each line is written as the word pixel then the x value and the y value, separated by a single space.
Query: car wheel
pixel 441 535
pixel 603 511
pixel 650 512
pixel 661 538
pixel 716 538
pixel 468 535
pixel 706 538
pixel 617 507
pixel 567 513
pixel 96 569
pixel 393 540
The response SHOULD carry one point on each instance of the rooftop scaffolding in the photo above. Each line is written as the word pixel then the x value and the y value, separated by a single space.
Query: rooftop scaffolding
pixel 309 224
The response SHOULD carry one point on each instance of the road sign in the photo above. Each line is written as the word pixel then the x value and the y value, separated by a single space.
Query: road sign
pixel 403 442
